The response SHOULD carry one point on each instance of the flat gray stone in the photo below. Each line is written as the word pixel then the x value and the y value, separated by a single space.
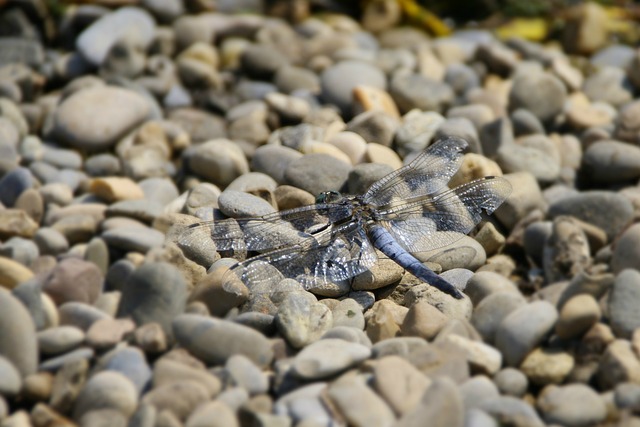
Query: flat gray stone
pixel 328 357
pixel 196 333
pixel 18 342
pixel 95 118
pixel 523 329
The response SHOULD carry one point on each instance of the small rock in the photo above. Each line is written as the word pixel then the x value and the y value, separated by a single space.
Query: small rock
pixel 423 320
pixel 627 250
pixel 155 292
pixel 60 339
pixel 480 356
pixel 95 118
pixel 399 383
pixel 618 364
pixel 441 404
pixel 196 333
pixel 328 357
pixel 611 162
pixel 18 342
pixel 357 403
pixel 115 188
pixel 511 382
pixel 107 333
pixel 523 329
pixel 244 373
pixel 338 81
pixel 220 161
pixel 167 371
pixel 10 380
pixel 180 398
pixel 106 390
pixel 547 366
pixel 607 210
pixel 572 405
pixel 13 273
pixel 577 316
pixel 316 173
pixel 541 93
pixel 624 296
pixel 508 410
pixel 74 279
pixel 95 42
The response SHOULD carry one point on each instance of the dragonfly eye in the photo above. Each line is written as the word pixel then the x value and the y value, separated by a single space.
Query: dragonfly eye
pixel 328 197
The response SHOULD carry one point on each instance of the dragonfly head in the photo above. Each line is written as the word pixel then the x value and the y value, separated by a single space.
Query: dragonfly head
pixel 328 197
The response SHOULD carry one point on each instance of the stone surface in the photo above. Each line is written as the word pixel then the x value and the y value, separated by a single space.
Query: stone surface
pixel 95 118
pixel 18 342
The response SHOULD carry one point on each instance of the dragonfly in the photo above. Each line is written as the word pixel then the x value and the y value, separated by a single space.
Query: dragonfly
pixel 408 211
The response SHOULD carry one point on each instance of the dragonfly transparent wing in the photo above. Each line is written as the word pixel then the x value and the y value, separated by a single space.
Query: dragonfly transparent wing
pixel 430 222
pixel 331 256
pixel 426 174
pixel 291 227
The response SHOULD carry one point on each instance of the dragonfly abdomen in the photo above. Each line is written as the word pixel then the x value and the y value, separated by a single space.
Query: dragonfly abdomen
pixel 385 242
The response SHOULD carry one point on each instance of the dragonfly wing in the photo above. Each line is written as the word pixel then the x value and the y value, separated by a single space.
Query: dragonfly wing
pixel 319 264
pixel 432 222
pixel 275 230
pixel 426 174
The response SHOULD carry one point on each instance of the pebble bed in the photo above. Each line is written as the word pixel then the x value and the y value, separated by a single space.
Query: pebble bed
pixel 139 120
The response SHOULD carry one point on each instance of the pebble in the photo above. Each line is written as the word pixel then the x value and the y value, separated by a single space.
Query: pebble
pixel 179 398
pixel 107 333
pixel 610 162
pixel 523 329
pixel 155 292
pixel 512 411
pixel 61 339
pixel 114 189
pixel 219 161
pixel 609 211
pixel 74 279
pixel 13 273
pixel 577 316
pixel 423 320
pixel 106 390
pixel 95 42
pixel 212 414
pixel 511 382
pixel 610 85
pixel 581 406
pixel 524 198
pixel 374 126
pixel 95 118
pixel 195 333
pixel 328 357
pixel 535 154
pixel 16 222
pixel 357 403
pixel 137 239
pixel 316 173
pixel 618 364
pixel 626 252
pixel 80 315
pixel 10 378
pixel 348 313
pixel 481 357
pixel 441 404
pixel 130 362
pixel 623 297
pixel 244 373
pixel 418 91
pixel 338 81
pixel 13 184
pixel 18 342
pixel 540 93
pixel 302 320
pixel 477 390
pixel 547 366
pixel 50 241
pixel 237 204
pixel 485 283
pixel 399 383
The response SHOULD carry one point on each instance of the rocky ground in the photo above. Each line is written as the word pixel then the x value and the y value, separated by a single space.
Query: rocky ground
pixel 119 126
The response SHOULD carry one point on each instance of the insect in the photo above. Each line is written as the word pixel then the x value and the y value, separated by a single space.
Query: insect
pixel 406 212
